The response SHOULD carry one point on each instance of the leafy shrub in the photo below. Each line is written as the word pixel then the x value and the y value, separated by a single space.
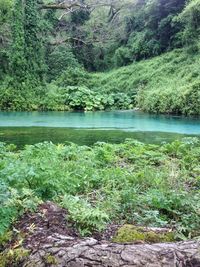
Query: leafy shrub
pixel 190 17
pixel 14 203
pixel 158 85
pixel 81 98
pixel 143 45
pixel 87 218
pixel 122 101
pixel 52 99
pixel 20 96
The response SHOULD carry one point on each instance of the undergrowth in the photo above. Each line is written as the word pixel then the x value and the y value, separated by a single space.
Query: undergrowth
pixel 169 83
pixel 136 183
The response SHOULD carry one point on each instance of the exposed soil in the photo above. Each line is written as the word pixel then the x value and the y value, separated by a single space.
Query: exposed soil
pixel 34 228
pixel 48 220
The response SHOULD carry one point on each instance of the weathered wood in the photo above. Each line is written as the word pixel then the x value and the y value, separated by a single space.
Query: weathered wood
pixel 67 251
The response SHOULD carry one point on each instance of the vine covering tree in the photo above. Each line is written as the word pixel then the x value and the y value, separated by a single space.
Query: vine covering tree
pixel 27 53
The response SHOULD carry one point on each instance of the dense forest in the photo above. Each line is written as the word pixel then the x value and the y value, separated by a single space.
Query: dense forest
pixel 100 55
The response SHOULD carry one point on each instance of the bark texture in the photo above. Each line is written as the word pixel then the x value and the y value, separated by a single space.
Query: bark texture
pixel 70 252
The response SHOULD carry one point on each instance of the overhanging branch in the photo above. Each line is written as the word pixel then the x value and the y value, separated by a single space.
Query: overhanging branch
pixel 64 5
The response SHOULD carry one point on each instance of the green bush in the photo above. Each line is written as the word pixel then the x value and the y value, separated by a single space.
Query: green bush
pixel 165 84
pixel 87 218
pixel 143 45
pixel 81 98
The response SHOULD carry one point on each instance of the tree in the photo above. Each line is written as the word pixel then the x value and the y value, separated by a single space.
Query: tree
pixel 34 54
pixel 5 35
pixel 27 57
pixel 17 56
pixel 190 17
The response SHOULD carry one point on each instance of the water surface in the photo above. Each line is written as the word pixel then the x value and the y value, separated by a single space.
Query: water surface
pixel 87 128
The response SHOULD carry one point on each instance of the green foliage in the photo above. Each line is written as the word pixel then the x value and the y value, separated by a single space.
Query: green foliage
pixel 22 97
pixel 33 50
pixel 82 98
pixel 164 84
pixel 59 61
pixel 150 29
pixel 122 101
pixel 186 100
pixel 50 259
pixel 143 45
pixel 73 76
pixel 87 218
pixel 13 204
pixel 149 185
pixel 17 56
pixel 99 41
pixel 52 97
pixel 5 10
pixel 190 17
pixel 26 56
pixel 13 257
pixel 5 18
pixel 122 57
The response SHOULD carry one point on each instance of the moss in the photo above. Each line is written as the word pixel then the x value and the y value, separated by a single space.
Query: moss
pixel 49 259
pixel 131 233
pixel 13 257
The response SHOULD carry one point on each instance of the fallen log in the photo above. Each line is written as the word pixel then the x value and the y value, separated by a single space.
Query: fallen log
pixel 65 251
pixel 51 240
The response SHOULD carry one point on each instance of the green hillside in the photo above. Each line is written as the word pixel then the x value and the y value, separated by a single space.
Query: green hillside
pixel 169 83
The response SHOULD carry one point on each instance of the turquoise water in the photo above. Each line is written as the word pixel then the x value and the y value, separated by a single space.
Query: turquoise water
pixel 123 120
pixel 87 128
